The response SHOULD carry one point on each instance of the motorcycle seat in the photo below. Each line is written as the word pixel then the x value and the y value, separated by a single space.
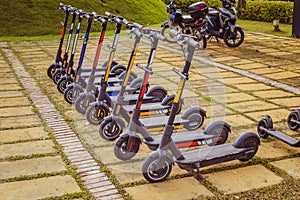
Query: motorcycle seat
pixel 188 19
pixel 213 12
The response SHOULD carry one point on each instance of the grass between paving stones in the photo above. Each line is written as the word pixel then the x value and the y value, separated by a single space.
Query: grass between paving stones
pixel 279 191
pixel 70 168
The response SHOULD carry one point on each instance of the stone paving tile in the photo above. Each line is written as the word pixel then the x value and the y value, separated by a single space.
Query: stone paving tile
pixel 26 148
pixel 15 122
pixel 233 120
pixel 282 75
pixel 11 94
pixel 237 97
pixel 18 101
pixel 253 87
pixel 226 58
pixel 252 106
pixel 213 90
pixel 243 179
pixel 16 111
pixel 272 94
pixel 277 115
pixel 287 102
pixel 251 66
pixel 291 166
pixel 181 189
pixel 39 188
pixel 265 70
pixel 275 149
pixel 233 81
pixel 8 81
pixel 12 135
pixel 32 166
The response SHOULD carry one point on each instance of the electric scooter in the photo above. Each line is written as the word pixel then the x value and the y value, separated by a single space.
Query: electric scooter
pixel 58 72
pixel 265 128
pixel 158 165
pixel 96 111
pixel 73 87
pixel 128 144
pixel 111 127
pixel 58 59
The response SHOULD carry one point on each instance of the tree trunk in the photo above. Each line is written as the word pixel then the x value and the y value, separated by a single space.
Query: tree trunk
pixel 242 3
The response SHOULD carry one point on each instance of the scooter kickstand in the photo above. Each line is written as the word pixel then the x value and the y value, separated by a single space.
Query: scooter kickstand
pixel 197 166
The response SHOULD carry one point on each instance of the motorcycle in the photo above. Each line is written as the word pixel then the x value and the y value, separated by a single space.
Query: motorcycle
pixel 222 24
pixel 192 25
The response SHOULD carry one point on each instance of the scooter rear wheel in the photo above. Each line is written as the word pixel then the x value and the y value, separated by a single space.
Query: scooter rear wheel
pixel 264 124
pixel 250 142
pixel 292 125
pixel 120 148
pixel 195 119
pixel 220 132
pixel 154 175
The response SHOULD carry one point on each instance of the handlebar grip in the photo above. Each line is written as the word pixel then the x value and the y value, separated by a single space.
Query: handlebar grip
pixel 159 36
pixel 108 14
pixel 137 32
pixel 194 43
pixel 137 25
pixel 125 22
pixel 173 33
pixel 118 20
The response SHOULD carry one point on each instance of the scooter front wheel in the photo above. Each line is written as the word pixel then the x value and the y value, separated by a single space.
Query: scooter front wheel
pixel 71 94
pixel 81 104
pixel 51 69
pixel 62 85
pixel 154 173
pixel 56 76
pixel 293 117
pixel 109 129
pixel 95 114
pixel 125 150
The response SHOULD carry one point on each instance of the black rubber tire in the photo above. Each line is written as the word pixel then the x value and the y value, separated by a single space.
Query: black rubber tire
pixel 201 39
pixel 51 69
pixel 56 76
pixel 70 94
pixel 92 117
pixel 219 131
pixel 157 175
pixel 293 126
pixel 169 103
pixel 228 36
pixel 80 104
pixel 61 85
pixel 262 123
pixel 250 142
pixel 109 129
pixel 120 149
pixel 158 93
pixel 196 120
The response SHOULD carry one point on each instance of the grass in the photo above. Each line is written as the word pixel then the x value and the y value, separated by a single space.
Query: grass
pixel 40 17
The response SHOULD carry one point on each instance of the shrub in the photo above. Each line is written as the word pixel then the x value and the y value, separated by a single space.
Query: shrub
pixel 257 11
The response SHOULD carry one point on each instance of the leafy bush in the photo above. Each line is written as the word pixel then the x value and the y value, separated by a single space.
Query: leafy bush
pixel 257 11
pixel 268 11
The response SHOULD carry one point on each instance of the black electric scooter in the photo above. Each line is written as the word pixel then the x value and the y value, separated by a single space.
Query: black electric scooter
pixel 96 111
pixel 128 144
pixel 158 165
pixel 58 59
pixel 265 128
pixel 58 72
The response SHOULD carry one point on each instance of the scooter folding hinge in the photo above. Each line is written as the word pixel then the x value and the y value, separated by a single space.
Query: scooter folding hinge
pixel 111 48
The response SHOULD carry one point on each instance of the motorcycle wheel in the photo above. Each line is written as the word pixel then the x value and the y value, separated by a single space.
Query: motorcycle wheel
pixel 201 39
pixel 234 39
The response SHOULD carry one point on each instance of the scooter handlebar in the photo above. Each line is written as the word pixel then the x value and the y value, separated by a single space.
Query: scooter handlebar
pixel 183 38
pixel 100 18
pixel 114 18
pixel 150 32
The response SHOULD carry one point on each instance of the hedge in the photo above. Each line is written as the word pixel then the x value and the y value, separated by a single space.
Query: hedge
pixel 257 11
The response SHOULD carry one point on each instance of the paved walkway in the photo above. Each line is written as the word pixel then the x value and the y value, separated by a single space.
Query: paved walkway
pixel 228 84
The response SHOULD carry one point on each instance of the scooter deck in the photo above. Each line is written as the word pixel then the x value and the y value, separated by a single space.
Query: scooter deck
pixel 283 137
pixel 132 98
pixel 211 156
pixel 89 69
pixel 185 139
pixel 116 90
pixel 156 108
pixel 161 121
